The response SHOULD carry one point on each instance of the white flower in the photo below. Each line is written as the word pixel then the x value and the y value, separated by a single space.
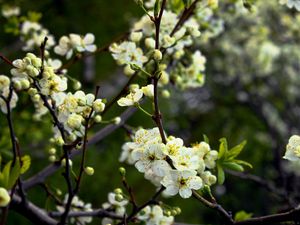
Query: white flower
pixel 128 53
pixel 186 159
pixel 151 156
pixel 13 101
pixel 291 3
pixel 75 121
pixel 154 216
pixel 293 148
pixel 181 181
pixel 74 42
pixel 4 82
pixel 126 154
pixel 4 197
pixel 33 34
pixel 173 146
pixel 143 136
pixel 10 11
pixel 132 98
pixel 118 206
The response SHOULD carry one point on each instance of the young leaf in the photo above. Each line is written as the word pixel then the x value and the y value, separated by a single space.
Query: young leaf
pixel 14 175
pixel 26 161
pixel 221 175
pixel 242 215
pixel 236 150
pixel 233 166
pixel 5 174
pixel 205 138
pixel 242 162
pixel 223 148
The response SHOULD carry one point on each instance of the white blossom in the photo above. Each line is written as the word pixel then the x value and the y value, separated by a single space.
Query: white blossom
pixel 182 182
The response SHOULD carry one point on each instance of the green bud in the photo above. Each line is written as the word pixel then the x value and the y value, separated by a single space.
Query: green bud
pixel 52 151
pixel 52 158
pixel 119 197
pixel 178 210
pixel 122 171
pixel 89 170
pixel 174 212
pixel 118 191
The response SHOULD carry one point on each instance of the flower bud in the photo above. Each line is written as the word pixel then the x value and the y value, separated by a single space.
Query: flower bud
pixel 4 197
pixel 77 85
pixel 89 170
pixel 150 43
pixel 118 191
pixel 59 141
pixel 157 55
pixel 32 91
pixel 74 121
pixel 136 36
pixel 25 84
pixel 148 90
pixel 98 105
pixel 52 151
pixel 166 94
pixel 117 120
pixel 119 197
pixel 17 85
pixel 122 171
pixel 63 163
pixel 52 158
pixel 4 81
pixel 128 71
pixel 98 119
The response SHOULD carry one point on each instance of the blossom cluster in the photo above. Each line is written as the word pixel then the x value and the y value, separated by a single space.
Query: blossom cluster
pixel 178 168
pixel 41 81
pixel 5 92
pixel 174 41
pixel 293 149
pixel 75 43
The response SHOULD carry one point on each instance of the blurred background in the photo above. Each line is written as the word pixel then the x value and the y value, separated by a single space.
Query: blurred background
pixel 251 93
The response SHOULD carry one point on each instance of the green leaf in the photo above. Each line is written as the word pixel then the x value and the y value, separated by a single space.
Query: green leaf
pixel 14 175
pixel 236 150
pixel 5 174
pixel 233 166
pixel 242 215
pixel 156 8
pixel 205 138
pixel 242 162
pixel 223 148
pixel 26 161
pixel 221 175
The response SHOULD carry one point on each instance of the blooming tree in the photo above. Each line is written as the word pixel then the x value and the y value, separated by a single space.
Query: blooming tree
pixel 162 50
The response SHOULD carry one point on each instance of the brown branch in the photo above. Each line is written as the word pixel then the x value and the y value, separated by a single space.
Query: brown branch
pixel 214 205
pixel 6 60
pixel 41 176
pixel 292 215
pixel 186 14
pixel 101 213
pixel 33 213
pixel 81 170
